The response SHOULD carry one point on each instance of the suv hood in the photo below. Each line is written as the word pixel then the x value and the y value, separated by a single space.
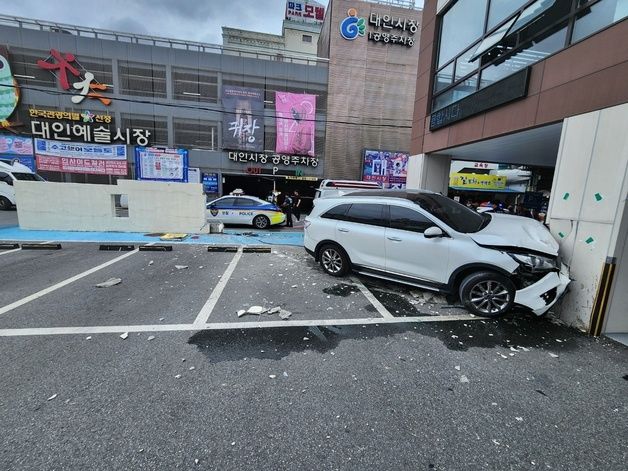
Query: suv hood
pixel 506 230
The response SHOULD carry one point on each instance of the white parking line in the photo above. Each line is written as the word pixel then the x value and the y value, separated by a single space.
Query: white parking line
pixel 115 329
pixel 61 284
pixel 209 306
pixel 385 313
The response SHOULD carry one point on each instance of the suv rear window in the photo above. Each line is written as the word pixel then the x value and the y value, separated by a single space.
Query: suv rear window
pixel 371 214
pixel 337 212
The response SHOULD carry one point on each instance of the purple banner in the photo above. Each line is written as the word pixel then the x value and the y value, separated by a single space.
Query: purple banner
pixel 296 116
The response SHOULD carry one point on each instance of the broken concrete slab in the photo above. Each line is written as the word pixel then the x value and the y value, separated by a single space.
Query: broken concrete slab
pixel 109 283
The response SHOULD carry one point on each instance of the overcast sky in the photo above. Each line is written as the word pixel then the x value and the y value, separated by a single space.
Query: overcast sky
pixel 195 20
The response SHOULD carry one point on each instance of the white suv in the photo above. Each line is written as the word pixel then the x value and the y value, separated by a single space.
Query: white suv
pixel 424 239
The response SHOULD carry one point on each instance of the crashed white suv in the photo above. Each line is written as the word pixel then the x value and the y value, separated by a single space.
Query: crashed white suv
pixel 424 239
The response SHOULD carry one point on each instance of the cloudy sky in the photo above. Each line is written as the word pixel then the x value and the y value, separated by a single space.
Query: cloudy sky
pixel 195 20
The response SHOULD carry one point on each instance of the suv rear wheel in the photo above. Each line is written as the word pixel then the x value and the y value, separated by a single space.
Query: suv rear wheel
pixel 333 260
pixel 487 294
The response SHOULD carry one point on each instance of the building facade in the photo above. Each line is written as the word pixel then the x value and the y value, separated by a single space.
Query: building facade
pixel 175 90
pixel 537 83
pixel 373 50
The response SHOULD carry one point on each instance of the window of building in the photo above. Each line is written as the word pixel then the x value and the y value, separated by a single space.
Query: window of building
pixel 195 133
pixel 307 38
pixel 461 90
pixel 499 10
pixel 371 214
pixel 195 85
pixel 25 69
pixel 407 219
pixel 598 16
pixel 156 125
pixel 461 25
pixel 101 68
pixel 444 78
pixel 140 79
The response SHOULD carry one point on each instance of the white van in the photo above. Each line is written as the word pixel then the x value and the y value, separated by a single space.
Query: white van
pixel 330 188
pixel 9 172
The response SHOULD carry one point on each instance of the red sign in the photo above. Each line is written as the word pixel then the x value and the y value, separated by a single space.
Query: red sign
pixel 72 165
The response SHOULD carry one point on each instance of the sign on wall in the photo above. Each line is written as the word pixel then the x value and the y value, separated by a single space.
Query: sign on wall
pixel 210 182
pixel 388 168
pixel 161 164
pixel 17 148
pixel 72 157
pixel 472 181
pixel 9 90
pixel 386 29
pixel 243 120
pixel 296 118
pixel 306 11
pixel 274 159
pixel 60 64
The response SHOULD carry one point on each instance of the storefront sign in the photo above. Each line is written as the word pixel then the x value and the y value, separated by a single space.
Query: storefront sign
pixel 56 156
pixel 296 117
pixel 15 145
pixel 194 175
pixel 472 181
pixel 306 11
pixel 59 64
pixel 243 120
pixel 84 116
pixel 274 159
pixel 86 133
pixel 161 164
pixel 390 169
pixel 509 89
pixel 9 91
pixel 385 28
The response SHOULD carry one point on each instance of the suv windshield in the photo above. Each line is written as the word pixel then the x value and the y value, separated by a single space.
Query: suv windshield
pixel 32 177
pixel 455 215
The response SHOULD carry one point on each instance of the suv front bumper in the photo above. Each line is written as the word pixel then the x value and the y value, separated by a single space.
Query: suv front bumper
pixel 542 295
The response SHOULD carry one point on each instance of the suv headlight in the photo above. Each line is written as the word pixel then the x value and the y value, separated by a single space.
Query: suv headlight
pixel 535 262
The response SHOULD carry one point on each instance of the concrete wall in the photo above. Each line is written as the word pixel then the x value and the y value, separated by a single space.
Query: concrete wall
pixel 588 198
pixel 428 172
pixel 153 207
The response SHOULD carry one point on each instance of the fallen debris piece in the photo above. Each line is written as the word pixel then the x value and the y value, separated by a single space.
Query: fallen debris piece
pixel 124 336
pixel 519 419
pixel 553 355
pixel 192 368
pixel 196 461
pixel 241 312
pixel 151 337
pixel 51 397
pixel 293 286
pixel 272 376
pixel 150 263
pixel 181 267
pixel 109 283
pixel 285 374
pixel 256 310
pixel 177 376
pixel 88 338
pixel 457 367
pixel 464 379
pixel 274 310
pixel 284 314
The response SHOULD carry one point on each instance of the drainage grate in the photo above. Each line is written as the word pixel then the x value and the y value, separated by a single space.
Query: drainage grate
pixel 117 247
pixel 41 246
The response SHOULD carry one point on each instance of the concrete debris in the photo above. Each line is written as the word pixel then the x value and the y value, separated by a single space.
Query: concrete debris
pixel 151 337
pixel 181 267
pixel 274 310
pixel 285 374
pixel 241 312
pixel 150 263
pixel 109 283
pixel 272 376
pixel 177 376
pixel 285 315
pixel 192 368
pixel 255 310
pixel 457 367
pixel 88 338
pixel 553 355
pixel 519 419
pixel 51 397
pixel 124 336
pixel 293 286
pixel 306 339
pixel 196 461
pixel 464 379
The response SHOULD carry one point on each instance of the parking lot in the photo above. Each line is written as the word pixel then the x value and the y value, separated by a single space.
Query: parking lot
pixel 160 371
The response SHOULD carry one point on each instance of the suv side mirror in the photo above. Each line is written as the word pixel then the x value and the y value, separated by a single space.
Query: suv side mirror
pixel 432 232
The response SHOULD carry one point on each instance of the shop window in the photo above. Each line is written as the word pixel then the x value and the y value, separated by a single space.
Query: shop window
pixel 157 125
pixel 458 92
pixel 598 16
pixel 462 24
pixel 443 78
pixel 195 134
pixel 140 79
pixel 501 9
pixel 195 85
pixel 463 65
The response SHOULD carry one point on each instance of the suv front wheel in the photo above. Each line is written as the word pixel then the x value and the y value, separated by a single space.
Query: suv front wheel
pixel 333 260
pixel 487 294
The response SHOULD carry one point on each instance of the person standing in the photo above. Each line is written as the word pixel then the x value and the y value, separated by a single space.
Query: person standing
pixel 296 205
pixel 287 208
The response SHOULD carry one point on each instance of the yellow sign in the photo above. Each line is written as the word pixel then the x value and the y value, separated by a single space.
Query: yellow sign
pixel 85 116
pixel 472 181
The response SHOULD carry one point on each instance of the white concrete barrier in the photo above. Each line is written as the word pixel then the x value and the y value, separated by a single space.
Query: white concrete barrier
pixel 152 207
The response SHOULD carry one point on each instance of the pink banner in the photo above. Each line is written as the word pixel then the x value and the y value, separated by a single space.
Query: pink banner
pixel 296 116
pixel 72 165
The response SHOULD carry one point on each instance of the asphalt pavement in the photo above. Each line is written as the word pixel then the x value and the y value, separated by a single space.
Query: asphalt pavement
pixel 388 378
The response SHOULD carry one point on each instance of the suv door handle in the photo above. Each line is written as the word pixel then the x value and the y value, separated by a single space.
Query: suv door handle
pixel 394 239
pixel 342 229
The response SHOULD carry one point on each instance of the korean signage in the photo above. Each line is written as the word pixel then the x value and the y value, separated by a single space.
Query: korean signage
pixel 243 120
pixel 161 164
pixel 210 182
pixel 386 29
pixel 17 148
pixel 86 85
pixel 472 181
pixel 9 91
pixel 57 156
pixel 390 169
pixel 296 115
pixel 306 11
pixel 274 159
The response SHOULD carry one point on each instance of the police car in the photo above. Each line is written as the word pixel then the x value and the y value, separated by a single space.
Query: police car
pixel 236 209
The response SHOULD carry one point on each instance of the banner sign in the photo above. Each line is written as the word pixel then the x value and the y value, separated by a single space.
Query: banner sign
pixel 15 145
pixel 9 92
pixel 275 159
pixel 57 156
pixel 210 182
pixel 296 116
pixel 161 164
pixel 390 169
pixel 243 120
pixel 27 160
pixel 306 11
pixel 472 181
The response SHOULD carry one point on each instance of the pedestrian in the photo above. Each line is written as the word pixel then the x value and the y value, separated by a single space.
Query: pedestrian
pixel 287 208
pixel 296 205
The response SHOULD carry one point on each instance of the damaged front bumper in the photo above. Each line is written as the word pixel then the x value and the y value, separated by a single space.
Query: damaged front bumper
pixel 542 295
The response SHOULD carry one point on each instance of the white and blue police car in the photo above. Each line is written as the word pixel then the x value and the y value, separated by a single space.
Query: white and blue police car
pixel 243 209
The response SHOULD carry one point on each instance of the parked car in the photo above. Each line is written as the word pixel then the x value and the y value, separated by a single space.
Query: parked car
pixel 424 239
pixel 241 209
pixel 330 188
pixel 9 172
